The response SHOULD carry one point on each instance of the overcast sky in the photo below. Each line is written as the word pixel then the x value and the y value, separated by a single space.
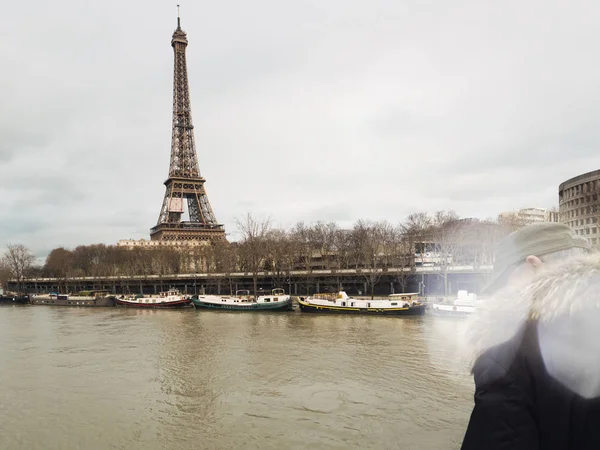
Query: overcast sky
pixel 306 110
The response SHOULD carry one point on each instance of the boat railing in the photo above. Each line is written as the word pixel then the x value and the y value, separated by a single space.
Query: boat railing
pixel 242 293
pixel 325 296
pixel 278 291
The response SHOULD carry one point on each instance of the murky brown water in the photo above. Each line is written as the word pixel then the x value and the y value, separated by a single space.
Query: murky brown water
pixel 126 379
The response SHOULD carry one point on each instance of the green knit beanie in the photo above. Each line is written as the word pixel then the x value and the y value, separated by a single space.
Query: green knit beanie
pixel 538 239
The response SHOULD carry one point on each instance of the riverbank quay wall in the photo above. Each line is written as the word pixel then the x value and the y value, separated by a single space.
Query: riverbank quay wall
pixel 426 280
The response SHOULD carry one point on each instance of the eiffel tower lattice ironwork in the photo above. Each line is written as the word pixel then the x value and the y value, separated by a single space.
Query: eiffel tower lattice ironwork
pixel 185 185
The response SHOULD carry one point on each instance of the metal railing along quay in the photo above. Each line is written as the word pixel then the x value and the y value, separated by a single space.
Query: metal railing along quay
pixel 433 270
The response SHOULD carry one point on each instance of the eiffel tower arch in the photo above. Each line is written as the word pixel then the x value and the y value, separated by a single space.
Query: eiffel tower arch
pixel 185 185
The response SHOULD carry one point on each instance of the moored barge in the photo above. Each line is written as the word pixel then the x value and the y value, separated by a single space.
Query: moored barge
pixel 341 303
pixel 15 299
pixel 278 300
pixel 464 305
pixel 168 299
pixel 84 298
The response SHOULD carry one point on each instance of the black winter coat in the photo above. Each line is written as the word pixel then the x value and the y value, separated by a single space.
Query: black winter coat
pixel 519 406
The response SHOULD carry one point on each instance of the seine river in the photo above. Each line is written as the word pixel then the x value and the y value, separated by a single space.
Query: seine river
pixel 114 378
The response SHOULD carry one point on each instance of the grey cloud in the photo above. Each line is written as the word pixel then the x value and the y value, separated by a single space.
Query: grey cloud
pixel 303 111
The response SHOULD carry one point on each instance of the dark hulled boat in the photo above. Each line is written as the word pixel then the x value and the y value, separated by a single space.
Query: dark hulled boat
pixel 14 299
pixel 85 298
pixel 340 303
pixel 278 300
pixel 168 299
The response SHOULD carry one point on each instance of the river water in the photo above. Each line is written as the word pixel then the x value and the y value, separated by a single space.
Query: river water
pixel 114 378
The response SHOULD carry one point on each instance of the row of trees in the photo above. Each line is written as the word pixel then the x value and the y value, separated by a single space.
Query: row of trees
pixel 441 239
pixel 17 263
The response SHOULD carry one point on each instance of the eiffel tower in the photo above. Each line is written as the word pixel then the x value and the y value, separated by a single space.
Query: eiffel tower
pixel 185 185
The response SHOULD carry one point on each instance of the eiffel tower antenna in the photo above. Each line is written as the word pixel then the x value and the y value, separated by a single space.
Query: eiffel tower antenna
pixel 185 185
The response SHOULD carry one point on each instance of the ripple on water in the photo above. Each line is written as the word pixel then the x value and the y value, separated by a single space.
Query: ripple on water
pixel 117 378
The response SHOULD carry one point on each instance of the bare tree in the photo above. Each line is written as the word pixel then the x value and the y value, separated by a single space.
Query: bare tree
pixel 416 231
pixel 138 261
pixel 479 240
pixel 5 274
pixel 371 241
pixel 306 249
pixel 511 221
pixel 343 248
pixel 18 259
pixel 323 238
pixel 343 253
pixel 59 263
pixel 224 257
pixel 166 261
pixel 253 248
pixel 111 261
pixel 448 234
pixel 281 254
pixel 402 252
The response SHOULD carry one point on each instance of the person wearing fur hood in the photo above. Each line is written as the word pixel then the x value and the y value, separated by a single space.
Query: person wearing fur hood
pixel 536 346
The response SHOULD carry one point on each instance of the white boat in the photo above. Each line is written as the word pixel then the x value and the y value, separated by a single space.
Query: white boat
pixel 464 305
pixel 341 303
pixel 168 299
pixel 277 300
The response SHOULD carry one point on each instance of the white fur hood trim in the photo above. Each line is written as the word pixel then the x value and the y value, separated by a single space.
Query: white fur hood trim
pixel 565 300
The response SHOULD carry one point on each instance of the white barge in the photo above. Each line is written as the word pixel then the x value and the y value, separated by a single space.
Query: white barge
pixel 464 305
pixel 168 299
pixel 278 300
pixel 341 303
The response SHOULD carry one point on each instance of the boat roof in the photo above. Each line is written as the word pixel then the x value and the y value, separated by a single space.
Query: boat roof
pixel 404 295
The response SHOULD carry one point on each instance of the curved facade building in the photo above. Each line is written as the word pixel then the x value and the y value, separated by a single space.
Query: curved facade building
pixel 579 205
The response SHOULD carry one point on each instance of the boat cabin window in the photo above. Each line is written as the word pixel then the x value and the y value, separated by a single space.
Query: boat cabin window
pixel 352 304
pixel 343 303
pixel 369 305
pixel 394 304
pixel 267 300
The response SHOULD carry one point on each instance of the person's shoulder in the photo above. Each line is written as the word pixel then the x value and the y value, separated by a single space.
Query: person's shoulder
pixel 507 360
